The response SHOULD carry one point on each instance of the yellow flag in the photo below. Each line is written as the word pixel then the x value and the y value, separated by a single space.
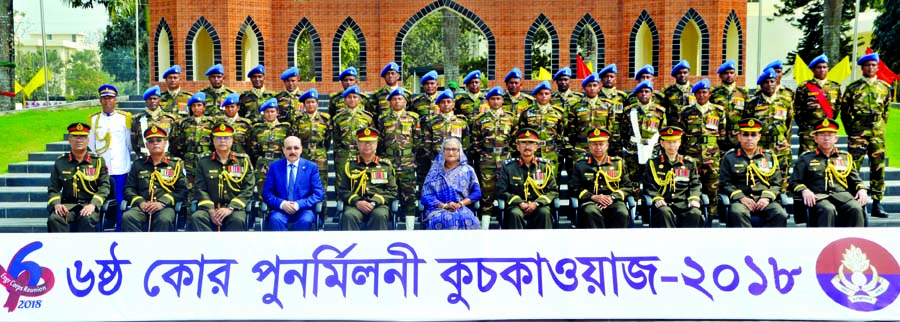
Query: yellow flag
pixel 36 81
pixel 801 71
pixel 543 74
pixel 590 66
pixel 841 71
pixel 18 87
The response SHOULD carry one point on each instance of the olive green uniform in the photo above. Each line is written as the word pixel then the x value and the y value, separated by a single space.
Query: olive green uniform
pixel 314 130
pixel 532 182
pixel 336 102
pixel 242 128
pixel 76 184
pixel 565 99
pixel 677 182
pixel 675 99
pixel 606 177
pixel 373 182
pixel 222 185
pixel 809 112
pixel 214 99
pixel 517 104
pixel 426 107
pixel 835 182
pixel 250 102
pixel 288 104
pixel 703 126
pixel 164 182
pixel 754 177
pixel 469 105
pixel 864 113
pixel 399 139
pixel 192 140
pixel 378 103
pixel 175 102
pixel 586 115
pixel 492 139
pixel 732 98
pixel 776 113
pixel 617 99
pixel 267 146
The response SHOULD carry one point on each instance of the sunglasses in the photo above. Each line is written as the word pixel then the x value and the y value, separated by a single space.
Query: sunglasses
pixel 750 134
pixel 155 140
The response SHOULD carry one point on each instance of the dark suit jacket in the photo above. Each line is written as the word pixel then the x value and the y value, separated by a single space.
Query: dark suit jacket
pixel 308 187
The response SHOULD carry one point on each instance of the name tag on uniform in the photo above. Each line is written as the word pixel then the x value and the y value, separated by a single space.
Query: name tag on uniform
pixel 840 164
pixel 682 174
pixel 379 177
pixel 712 122
pixel 739 103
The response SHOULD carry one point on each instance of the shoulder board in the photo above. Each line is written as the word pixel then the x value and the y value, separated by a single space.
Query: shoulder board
pixel 185 93
pixel 241 155
pixel 126 113
pixel 730 152
pixel 94 114
pixel 337 94
pixel 205 156
pixel 64 155
pixel 325 115
pixel 879 81
pixel 174 158
pixel 94 155
pixel 543 160
pixel 413 114
pixel 528 96
pixel 718 106
pixel 813 152
pixel 508 161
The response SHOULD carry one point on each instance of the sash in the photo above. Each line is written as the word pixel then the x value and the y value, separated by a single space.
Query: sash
pixel 644 151
pixel 820 97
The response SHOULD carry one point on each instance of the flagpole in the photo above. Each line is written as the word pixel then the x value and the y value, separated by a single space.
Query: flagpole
pixel 137 48
pixel 855 42
pixel 44 53
pixel 759 37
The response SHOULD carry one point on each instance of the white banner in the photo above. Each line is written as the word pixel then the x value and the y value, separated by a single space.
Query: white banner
pixel 713 274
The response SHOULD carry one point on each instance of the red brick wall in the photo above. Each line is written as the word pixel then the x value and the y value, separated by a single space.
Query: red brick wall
pixel 381 21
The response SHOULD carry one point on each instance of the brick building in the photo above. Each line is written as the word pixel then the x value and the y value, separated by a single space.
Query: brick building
pixel 238 33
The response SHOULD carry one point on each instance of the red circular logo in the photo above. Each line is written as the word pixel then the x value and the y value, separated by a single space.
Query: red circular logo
pixel 858 274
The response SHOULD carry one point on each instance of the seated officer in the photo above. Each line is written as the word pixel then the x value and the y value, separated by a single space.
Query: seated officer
pixel 224 185
pixel 78 186
pixel 673 182
pixel 153 187
pixel 527 185
pixel 750 177
pixel 602 184
pixel 368 185
pixel 829 183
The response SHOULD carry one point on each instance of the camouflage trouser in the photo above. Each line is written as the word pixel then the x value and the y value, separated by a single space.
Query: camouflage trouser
pixel 423 164
pixel 190 159
pixel 874 147
pixel 262 168
pixel 340 162
pixel 488 173
pixel 406 184
pixel 807 143
pixel 709 181
pixel 784 164
pixel 320 158
pixel 634 170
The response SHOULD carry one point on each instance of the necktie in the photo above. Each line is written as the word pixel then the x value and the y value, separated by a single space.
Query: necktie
pixel 291 176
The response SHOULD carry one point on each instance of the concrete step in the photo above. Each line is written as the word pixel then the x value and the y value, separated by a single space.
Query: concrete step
pixel 61 146
pixel 44 156
pixel 24 180
pixel 23 194
pixel 23 225
pixel 31 167
pixel 23 209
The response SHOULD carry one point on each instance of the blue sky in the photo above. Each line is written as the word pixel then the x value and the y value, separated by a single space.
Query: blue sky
pixel 60 18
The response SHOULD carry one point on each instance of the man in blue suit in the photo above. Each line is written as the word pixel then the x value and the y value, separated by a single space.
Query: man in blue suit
pixel 292 189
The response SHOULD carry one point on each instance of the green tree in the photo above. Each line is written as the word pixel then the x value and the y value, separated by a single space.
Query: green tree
pixel 886 37
pixel 349 50
pixel 540 52
pixel 117 51
pixel 84 75
pixel 7 75
pixel 587 46
pixel 810 17
pixel 425 45
pixel 305 56
pixel 28 63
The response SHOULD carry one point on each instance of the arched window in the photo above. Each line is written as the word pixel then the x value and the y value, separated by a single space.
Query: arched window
pixel 733 42
pixel 588 41
pixel 348 48
pixel 691 43
pixel 305 51
pixel 541 47
pixel 202 49
pixel 164 51
pixel 643 44
pixel 249 48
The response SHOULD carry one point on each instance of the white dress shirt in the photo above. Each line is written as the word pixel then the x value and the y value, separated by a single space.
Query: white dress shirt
pixel 116 148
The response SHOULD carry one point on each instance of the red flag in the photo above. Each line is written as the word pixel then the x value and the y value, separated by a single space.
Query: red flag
pixel 884 73
pixel 582 70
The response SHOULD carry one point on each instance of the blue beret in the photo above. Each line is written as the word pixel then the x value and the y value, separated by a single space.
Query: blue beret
pixel 590 78
pixel 820 59
pixel 199 97
pixel 152 91
pixel 432 75
pixel 389 67
pixel 311 93
pixel 540 86
pixel 872 56
pixel 447 93
pixel 472 75
pixel 216 69
pixel 611 68
pixel 514 73
pixel 232 98
pixel 351 90
pixel 175 69
pixel 680 65
pixel 258 69
pixel 290 72
pixel 565 71
pixel 398 91
pixel 107 90
pixel 642 85
pixel 703 84
pixel 768 73
pixel 350 71
pixel 730 64
pixel 775 64
pixel 647 69
pixel 496 91
pixel 270 103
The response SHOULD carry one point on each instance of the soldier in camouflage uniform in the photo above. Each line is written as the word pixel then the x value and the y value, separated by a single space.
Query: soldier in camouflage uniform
pixel 646 73
pixel 673 183
pixel 678 96
pixel 425 104
pixel 601 184
pixel 783 91
pixel 267 140
pixel 379 103
pixel 344 125
pixel 242 126
pixel 640 130
pixel 777 114
pixel 514 101
pixel 252 99
pixel 704 123
pixel 550 123
pixel 336 102
pixel 314 130
pixel 174 100
pixel 472 102
pixel 864 113
pixel 399 139
pixel 152 115
pixel 216 91
pixel 564 96
pixel 441 127
pixel 589 113
pixel 617 98
pixel 491 141
pixel 288 99
pixel 192 136
pixel 814 101
pixel 733 98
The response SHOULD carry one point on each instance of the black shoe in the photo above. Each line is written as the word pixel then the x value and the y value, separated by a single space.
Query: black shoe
pixel 878 210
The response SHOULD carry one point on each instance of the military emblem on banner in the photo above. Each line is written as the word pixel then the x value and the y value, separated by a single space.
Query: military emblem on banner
pixel 840 164
pixel 682 174
pixel 739 103
pixel 538 177
pixel 712 122
pixel 456 131
pixel 780 113
pixel 858 274
pixel 379 177
pixel 235 170
pixel 167 174
pixel 90 172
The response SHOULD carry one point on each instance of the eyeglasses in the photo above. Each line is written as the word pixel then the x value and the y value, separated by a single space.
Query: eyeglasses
pixel 292 148
pixel 751 134
pixel 155 140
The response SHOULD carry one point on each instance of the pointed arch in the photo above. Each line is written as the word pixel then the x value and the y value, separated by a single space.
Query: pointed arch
pixel 305 26
pixel 733 41
pixel 463 11
pixel 250 51
pixel 200 55
pixel 643 49
pixel 541 21
pixel 588 22
pixel 349 25
pixel 163 48
pixel 691 42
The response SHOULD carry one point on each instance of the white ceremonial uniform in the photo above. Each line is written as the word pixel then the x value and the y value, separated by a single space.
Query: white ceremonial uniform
pixel 110 138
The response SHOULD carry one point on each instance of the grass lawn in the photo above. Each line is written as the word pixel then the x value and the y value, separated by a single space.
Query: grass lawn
pixel 30 131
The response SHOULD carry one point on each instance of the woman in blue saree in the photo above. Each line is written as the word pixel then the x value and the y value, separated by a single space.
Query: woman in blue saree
pixel 450 187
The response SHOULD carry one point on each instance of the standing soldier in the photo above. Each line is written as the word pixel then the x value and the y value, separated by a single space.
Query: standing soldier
pixel 336 102
pixel 288 99
pixel 379 103
pixel 864 113
pixel 152 115
pixel 814 101
pixel 617 99
pixel 492 133
pixel 733 98
pixel 400 135
pixel 564 96
pixel 472 102
pixel 678 96
pixel 351 118
pixel 674 185
pixel 426 103
pixel 110 138
pixel 601 185
pixel 514 101
pixel 640 130
pixel 646 73
pixel 79 183
pixel 704 124
pixel 216 91
pixel 268 139
pixel 589 113
pixel 174 100
pixel 526 186
pixel 549 121
pixel 242 126
pixel 253 98
pixel 441 127
pixel 783 91
pixel 225 188
pixel 314 129
pixel 775 112
pixel 368 185
pixel 192 136
pixel 155 184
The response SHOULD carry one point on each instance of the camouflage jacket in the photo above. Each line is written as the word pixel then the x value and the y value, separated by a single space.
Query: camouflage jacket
pixel 865 106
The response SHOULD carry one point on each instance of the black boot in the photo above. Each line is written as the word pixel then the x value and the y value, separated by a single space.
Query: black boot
pixel 878 210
